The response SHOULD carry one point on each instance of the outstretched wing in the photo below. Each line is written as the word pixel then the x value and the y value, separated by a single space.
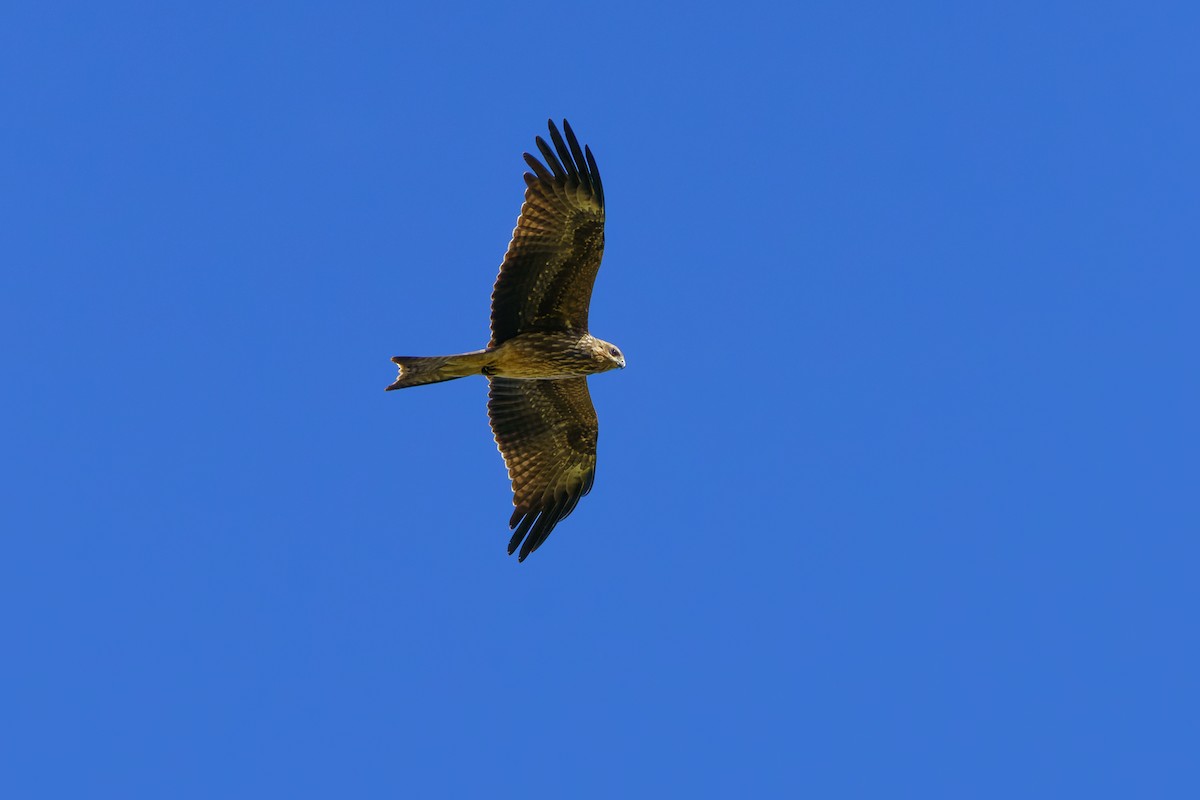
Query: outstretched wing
pixel 546 431
pixel 545 282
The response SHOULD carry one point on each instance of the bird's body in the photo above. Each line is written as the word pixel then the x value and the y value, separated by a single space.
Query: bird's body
pixel 540 351
pixel 538 355
pixel 553 355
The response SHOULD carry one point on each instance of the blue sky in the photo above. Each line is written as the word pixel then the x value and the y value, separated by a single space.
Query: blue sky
pixel 896 498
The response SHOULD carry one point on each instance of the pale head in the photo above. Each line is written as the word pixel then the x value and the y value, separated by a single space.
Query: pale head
pixel 608 354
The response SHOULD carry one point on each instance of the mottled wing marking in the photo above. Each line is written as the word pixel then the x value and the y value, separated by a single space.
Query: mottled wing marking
pixel 545 281
pixel 546 430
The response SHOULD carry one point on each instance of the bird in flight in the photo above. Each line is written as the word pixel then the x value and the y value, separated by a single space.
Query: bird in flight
pixel 541 353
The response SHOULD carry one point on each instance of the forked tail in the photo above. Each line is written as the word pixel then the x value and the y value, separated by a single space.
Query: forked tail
pixel 419 370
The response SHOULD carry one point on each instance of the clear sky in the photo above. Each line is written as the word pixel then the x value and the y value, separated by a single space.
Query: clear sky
pixel 897 496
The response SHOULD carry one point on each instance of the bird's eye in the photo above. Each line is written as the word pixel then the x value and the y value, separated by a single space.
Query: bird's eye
pixel 615 351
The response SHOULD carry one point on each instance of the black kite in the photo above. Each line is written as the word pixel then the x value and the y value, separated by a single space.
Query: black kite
pixel 540 351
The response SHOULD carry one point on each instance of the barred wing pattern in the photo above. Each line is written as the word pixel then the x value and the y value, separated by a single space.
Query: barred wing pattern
pixel 546 430
pixel 545 281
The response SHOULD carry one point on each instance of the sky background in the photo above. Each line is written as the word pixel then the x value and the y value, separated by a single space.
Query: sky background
pixel 896 498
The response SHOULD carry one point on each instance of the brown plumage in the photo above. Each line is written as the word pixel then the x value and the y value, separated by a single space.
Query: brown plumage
pixel 540 351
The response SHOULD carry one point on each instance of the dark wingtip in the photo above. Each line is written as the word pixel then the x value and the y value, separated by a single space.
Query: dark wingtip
pixel 521 521
pixel 551 158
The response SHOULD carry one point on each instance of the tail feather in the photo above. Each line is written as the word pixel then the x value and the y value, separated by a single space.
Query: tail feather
pixel 420 370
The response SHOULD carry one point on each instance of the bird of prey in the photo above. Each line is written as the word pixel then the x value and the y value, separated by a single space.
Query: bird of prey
pixel 541 352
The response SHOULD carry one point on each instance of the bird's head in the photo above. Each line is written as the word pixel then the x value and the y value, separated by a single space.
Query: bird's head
pixel 610 355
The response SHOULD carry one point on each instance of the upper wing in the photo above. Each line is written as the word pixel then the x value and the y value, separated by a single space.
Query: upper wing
pixel 545 282
pixel 546 431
